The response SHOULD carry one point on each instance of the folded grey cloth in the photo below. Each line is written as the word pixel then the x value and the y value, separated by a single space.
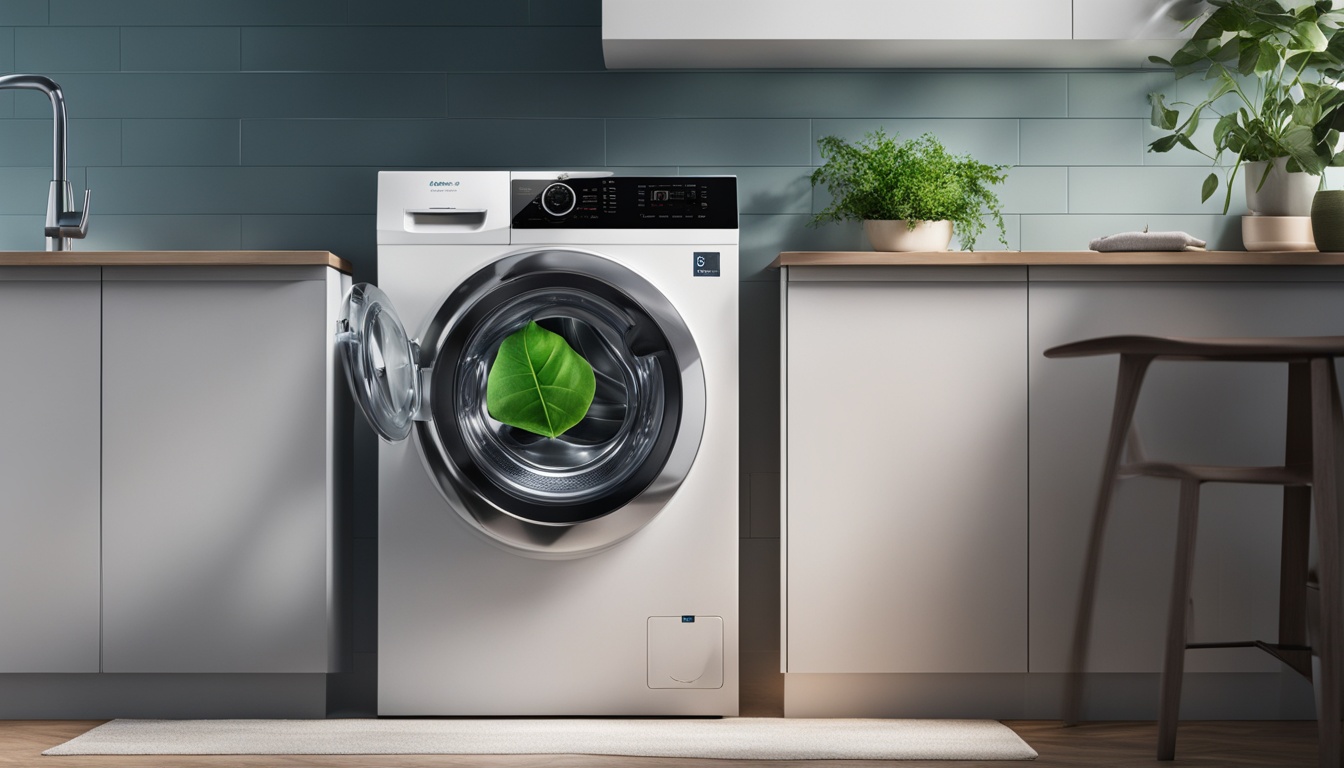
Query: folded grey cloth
pixel 1147 241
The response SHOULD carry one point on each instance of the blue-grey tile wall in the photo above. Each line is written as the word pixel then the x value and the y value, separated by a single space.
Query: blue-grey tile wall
pixel 261 124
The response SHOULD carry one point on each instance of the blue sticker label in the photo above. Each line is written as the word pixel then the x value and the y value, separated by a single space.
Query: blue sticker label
pixel 688 619
pixel 705 264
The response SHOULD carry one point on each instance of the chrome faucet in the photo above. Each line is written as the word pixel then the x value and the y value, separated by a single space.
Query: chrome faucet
pixel 63 221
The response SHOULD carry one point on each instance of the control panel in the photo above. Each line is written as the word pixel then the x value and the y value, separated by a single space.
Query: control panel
pixel 629 202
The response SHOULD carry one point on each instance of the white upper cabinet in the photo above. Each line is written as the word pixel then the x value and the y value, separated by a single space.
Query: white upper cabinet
pixel 710 34
pixel 1131 19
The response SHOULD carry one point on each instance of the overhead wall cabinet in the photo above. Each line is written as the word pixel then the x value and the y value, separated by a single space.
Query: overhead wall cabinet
pixel 171 477
pixel 700 34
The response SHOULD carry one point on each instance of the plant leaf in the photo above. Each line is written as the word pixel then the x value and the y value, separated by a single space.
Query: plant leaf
pixel 539 383
pixel 1163 117
pixel 1210 186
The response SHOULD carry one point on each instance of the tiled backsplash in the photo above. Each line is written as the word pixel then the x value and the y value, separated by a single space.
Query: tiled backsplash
pixel 203 124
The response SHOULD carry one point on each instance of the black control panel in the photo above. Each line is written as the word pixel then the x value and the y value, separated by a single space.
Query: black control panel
pixel 626 202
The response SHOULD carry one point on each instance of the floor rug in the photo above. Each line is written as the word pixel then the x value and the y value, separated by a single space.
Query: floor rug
pixel 742 738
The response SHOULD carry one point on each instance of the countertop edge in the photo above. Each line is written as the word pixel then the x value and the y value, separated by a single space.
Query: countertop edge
pixel 1051 258
pixel 173 259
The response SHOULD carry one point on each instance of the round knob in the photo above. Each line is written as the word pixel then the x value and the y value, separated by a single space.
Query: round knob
pixel 558 199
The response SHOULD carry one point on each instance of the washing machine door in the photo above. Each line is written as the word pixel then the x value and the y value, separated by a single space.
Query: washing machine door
pixel 380 361
pixel 612 473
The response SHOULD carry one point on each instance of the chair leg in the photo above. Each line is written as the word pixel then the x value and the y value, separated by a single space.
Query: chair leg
pixel 1296 540
pixel 1327 428
pixel 1173 663
pixel 1132 369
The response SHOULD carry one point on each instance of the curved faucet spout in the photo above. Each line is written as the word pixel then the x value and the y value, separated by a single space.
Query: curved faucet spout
pixel 63 221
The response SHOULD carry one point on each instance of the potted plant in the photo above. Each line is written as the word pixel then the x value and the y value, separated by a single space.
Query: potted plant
pixel 910 195
pixel 1279 70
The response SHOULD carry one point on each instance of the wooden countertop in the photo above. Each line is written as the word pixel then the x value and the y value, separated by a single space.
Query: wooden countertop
pixel 173 259
pixel 1044 258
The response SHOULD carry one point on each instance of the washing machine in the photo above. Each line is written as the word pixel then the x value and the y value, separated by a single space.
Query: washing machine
pixel 593 573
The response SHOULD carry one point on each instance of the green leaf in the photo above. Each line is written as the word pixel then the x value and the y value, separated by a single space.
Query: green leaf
pixel 1164 144
pixel 539 383
pixel 1311 36
pixel 1163 117
pixel 1210 186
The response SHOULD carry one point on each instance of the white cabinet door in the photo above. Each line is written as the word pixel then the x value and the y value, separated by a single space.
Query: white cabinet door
pixel 1129 20
pixel 906 440
pixel 49 469
pixel 1219 413
pixel 216 472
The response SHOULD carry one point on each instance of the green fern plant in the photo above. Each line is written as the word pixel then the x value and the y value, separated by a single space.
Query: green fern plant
pixel 880 178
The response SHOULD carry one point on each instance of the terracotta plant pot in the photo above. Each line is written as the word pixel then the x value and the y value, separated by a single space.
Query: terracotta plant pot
pixel 896 235
pixel 1327 220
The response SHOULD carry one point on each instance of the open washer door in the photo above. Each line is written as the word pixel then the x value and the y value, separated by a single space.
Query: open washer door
pixel 565 497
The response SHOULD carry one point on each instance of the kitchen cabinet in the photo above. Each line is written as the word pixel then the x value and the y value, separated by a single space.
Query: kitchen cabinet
pixel 940 476
pixel 905 533
pixel 1223 413
pixel 49 474
pixel 218 476
pixel 701 34
pixel 173 468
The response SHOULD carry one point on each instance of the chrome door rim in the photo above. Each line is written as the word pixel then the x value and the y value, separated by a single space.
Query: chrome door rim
pixel 492 518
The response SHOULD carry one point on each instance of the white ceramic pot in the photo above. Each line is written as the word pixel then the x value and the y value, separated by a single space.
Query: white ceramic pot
pixel 896 235
pixel 1283 193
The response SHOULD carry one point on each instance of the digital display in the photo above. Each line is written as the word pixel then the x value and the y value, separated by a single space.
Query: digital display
pixel 677 202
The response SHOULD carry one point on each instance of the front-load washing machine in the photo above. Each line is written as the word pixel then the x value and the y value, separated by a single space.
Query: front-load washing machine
pixel 593 573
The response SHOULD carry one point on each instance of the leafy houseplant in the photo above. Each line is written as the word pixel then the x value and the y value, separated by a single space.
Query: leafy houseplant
pixel 878 179
pixel 1281 68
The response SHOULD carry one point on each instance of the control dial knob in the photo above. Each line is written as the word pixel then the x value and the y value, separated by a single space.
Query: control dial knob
pixel 558 199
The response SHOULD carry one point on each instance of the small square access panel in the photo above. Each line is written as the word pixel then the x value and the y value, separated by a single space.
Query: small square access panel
pixel 685 652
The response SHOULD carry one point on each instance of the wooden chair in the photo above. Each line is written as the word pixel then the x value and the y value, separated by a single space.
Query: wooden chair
pixel 1313 447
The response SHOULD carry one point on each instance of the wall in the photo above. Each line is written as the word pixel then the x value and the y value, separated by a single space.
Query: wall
pixel 220 124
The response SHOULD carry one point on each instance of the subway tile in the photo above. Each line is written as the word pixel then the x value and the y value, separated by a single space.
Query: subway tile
pixel 352 237
pixel 89 142
pixel 763 237
pixel 26 13
pixel 565 13
pixel 180 49
pixel 6 104
pixel 761 94
pixel 764 190
pixel 21 233
pixel 423 142
pixel 765 505
pixel 1115 94
pixel 25 188
pixel 146 95
pixel 1147 189
pixel 67 49
pixel 708 142
pixel 161 232
pixel 177 13
pixel 989 141
pixel 6 50
pixel 180 142
pixel 1030 189
pixel 759 594
pixel 221 190
pixel 1082 142
pixel 492 13
pixel 420 49
pixel 1073 232
pixel 988 240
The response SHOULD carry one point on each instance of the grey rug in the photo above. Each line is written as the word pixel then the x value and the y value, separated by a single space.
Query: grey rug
pixel 729 738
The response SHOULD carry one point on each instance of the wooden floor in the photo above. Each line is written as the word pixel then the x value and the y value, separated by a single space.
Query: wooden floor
pixel 1099 745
